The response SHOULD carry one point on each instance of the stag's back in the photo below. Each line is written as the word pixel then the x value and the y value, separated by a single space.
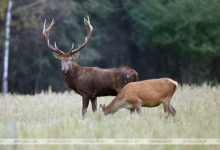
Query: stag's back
pixel 123 76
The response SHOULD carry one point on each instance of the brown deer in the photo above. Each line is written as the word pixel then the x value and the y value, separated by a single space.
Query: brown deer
pixel 89 82
pixel 147 93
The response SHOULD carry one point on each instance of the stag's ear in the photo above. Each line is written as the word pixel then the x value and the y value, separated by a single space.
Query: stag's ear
pixel 75 56
pixel 58 56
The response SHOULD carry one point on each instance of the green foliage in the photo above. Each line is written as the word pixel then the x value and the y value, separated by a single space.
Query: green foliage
pixel 30 58
pixel 172 38
pixel 191 27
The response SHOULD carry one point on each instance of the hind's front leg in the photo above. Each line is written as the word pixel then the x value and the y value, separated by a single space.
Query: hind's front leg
pixel 132 111
pixel 138 109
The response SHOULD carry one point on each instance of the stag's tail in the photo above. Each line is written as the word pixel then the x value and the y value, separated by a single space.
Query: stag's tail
pixel 135 76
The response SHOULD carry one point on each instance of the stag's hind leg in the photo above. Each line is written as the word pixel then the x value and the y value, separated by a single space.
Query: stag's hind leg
pixel 94 104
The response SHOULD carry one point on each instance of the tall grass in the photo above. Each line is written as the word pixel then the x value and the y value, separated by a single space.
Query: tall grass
pixel 58 115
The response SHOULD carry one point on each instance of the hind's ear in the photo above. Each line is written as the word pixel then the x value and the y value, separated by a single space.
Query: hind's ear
pixel 102 107
pixel 58 56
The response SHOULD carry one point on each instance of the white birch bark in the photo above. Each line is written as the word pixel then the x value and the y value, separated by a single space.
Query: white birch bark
pixel 6 54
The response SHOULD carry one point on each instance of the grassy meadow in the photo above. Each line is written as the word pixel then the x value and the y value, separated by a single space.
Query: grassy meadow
pixel 58 115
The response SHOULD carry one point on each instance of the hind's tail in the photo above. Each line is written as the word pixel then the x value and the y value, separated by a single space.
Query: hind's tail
pixel 175 85
pixel 136 76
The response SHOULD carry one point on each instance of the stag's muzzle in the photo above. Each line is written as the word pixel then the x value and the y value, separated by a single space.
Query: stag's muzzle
pixel 65 69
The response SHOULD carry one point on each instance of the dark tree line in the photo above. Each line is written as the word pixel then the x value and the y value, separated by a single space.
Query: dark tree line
pixel 158 38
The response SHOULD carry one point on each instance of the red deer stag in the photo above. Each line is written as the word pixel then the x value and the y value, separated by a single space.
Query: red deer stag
pixel 89 82
pixel 148 93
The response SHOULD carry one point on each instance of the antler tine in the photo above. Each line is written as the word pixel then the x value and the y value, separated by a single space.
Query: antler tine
pixel 44 25
pixel 72 45
pixel 90 29
pixel 55 45
pixel 87 23
pixel 51 24
pixel 46 32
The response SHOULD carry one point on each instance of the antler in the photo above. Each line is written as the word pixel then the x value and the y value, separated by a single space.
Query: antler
pixel 89 28
pixel 46 36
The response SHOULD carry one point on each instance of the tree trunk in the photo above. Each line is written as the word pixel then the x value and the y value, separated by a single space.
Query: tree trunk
pixel 6 55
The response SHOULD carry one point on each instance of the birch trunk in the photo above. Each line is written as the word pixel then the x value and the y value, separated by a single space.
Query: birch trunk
pixel 6 54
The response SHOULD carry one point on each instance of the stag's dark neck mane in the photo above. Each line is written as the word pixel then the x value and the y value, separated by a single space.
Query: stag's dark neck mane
pixel 71 76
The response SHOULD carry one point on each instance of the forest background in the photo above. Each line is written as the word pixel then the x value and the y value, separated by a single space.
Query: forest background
pixel 158 38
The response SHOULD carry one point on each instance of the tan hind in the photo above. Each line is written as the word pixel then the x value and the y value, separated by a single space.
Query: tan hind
pixel 147 93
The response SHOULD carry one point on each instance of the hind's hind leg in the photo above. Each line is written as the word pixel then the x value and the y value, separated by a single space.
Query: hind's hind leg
pixel 172 110
pixel 166 102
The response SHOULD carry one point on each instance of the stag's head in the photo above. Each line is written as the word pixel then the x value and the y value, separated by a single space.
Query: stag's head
pixel 66 58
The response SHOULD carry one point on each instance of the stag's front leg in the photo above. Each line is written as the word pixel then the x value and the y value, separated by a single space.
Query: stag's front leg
pixel 94 104
pixel 85 101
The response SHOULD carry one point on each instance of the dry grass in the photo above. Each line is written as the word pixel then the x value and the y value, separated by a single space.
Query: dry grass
pixel 58 115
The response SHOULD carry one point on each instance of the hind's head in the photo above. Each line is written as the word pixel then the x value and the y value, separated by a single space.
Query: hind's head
pixel 102 107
